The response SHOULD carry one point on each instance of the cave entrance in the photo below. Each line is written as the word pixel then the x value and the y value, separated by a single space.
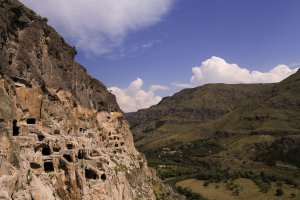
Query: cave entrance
pixel 46 151
pixel 31 121
pixel 16 129
pixel 41 137
pixel 70 146
pixel 35 165
pixel 91 174
pixel 103 177
pixel 68 157
pixel 48 167
pixel 80 154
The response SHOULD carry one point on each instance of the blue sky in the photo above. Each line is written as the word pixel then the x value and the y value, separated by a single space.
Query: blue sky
pixel 162 41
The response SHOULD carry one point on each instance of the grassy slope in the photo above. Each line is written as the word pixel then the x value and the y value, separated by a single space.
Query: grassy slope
pixel 185 111
pixel 241 124
pixel 196 113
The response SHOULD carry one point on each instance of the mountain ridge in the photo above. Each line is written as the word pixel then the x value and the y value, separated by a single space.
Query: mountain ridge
pixel 212 137
pixel 213 102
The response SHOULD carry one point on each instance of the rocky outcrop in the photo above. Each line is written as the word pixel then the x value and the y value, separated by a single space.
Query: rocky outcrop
pixel 31 52
pixel 62 134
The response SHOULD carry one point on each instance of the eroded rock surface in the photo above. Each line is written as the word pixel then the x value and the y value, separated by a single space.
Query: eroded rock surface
pixel 62 134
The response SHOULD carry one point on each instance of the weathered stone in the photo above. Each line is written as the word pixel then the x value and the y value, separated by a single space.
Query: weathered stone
pixel 62 134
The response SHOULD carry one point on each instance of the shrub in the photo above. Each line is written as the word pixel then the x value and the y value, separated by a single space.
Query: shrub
pixel 264 186
pixel 279 192
pixel 279 184
pixel 293 195
pixel 190 195
pixel 290 181
pixel 206 183
pixel 45 19
pixel 159 124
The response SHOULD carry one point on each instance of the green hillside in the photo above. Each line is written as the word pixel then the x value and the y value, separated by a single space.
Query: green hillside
pixel 221 132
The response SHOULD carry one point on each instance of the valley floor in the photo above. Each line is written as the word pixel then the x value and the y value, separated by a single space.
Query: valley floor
pixel 246 188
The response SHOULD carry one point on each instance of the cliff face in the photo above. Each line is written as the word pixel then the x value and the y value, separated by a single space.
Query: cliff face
pixel 34 53
pixel 62 134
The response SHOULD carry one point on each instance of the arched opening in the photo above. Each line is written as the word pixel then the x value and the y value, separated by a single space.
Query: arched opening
pixel 68 158
pixel 30 121
pixel 103 177
pixel 16 129
pixel 70 146
pixel 46 151
pixel 48 167
pixel 35 165
pixel 91 174
pixel 80 154
pixel 56 132
pixel 41 137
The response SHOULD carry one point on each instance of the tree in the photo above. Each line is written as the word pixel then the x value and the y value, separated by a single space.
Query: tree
pixel 293 195
pixel 206 183
pixel 279 192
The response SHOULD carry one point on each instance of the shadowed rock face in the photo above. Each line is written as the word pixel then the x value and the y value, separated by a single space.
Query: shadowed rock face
pixel 33 53
pixel 62 134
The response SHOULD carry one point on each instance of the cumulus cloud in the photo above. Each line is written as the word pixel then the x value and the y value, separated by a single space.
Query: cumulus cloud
pixel 217 70
pixel 134 97
pixel 98 26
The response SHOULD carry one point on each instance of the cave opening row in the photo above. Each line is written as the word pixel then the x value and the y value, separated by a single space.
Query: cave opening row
pixel 16 128
pixel 49 167
pixel 91 174
pixel 46 150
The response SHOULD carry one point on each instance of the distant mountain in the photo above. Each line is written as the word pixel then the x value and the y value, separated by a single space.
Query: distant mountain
pixel 242 138
pixel 221 108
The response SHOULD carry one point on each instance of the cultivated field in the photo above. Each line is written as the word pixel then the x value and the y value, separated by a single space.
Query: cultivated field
pixel 246 187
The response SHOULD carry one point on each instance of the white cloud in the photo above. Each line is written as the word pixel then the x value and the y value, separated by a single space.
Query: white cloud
pixel 182 85
pixel 153 88
pixel 98 26
pixel 134 97
pixel 217 70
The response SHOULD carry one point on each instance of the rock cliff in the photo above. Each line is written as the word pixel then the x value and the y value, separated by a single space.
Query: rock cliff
pixel 62 134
